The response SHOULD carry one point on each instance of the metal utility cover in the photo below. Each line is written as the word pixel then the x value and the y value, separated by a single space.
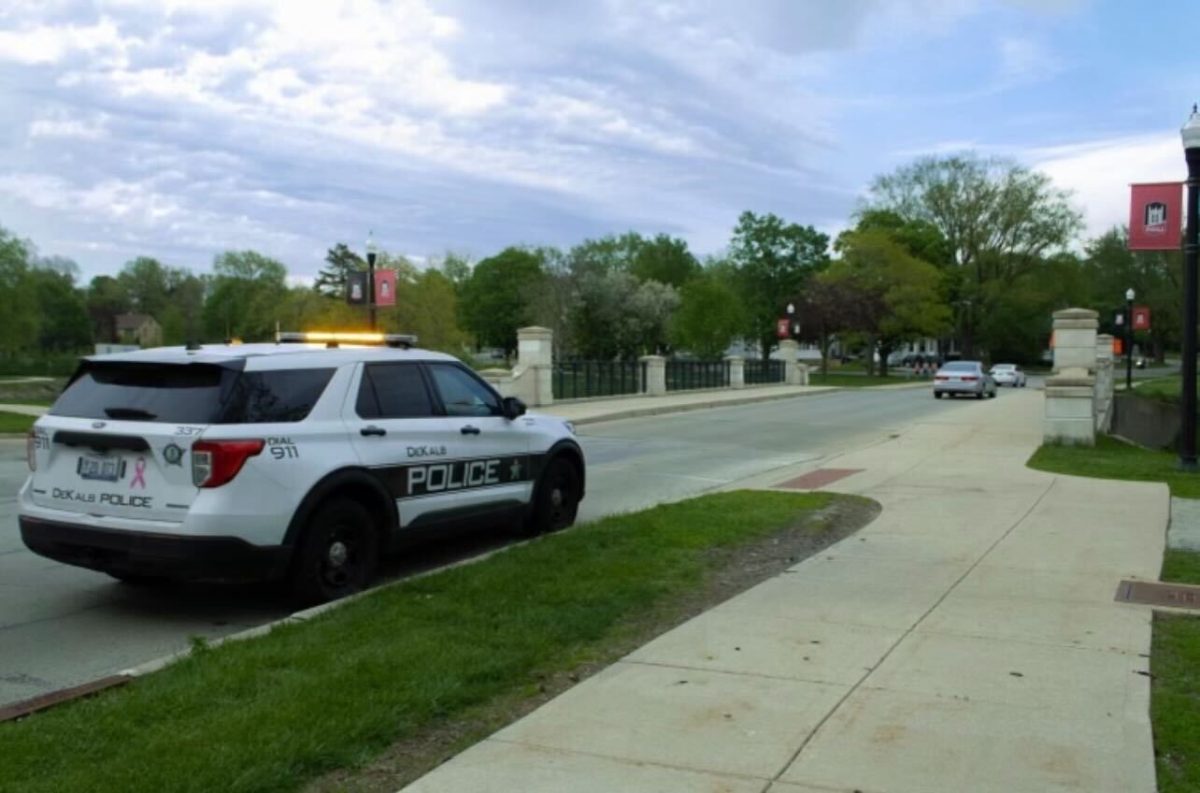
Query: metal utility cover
pixel 1157 593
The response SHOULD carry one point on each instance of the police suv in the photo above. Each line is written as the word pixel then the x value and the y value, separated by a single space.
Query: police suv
pixel 305 459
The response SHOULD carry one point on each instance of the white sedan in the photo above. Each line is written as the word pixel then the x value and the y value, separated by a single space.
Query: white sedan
pixel 1008 374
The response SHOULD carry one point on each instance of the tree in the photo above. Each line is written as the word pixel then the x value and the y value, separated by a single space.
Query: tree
pixel 900 295
pixel 773 260
pixel 1155 276
pixel 710 314
pixel 427 305
pixel 247 296
pixel 1001 220
pixel 331 281
pixel 619 317
pixel 666 260
pixel 606 255
pixel 495 301
pixel 64 324
pixel 553 300
pixel 828 308
pixel 106 299
pixel 457 269
pixel 19 320
pixel 145 282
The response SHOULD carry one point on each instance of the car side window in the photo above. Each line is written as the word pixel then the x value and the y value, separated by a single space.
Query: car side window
pixel 462 393
pixel 393 391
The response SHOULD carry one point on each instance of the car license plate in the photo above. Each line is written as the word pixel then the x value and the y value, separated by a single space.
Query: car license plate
pixel 103 469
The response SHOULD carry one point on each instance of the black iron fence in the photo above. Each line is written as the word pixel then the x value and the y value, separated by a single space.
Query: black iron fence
pixel 758 371
pixel 688 375
pixel 583 379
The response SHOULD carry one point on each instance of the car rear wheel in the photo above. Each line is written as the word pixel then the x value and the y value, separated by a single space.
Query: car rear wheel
pixel 937 394
pixel 337 555
pixel 556 500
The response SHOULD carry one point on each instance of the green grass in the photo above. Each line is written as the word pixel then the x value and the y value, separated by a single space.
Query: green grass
pixel 1164 389
pixel 272 713
pixel 1175 699
pixel 1114 459
pixel 15 422
pixel 855 380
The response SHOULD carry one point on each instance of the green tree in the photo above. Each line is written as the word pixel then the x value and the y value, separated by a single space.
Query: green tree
pixel 1001 221
pixel 19 320
pixel 710 314
pixel 619 317
pixel 457 268
pixel 145 281
pixel 773 261
pixel 427 305
pixel 107 298
pixel 247 296
pixel 64 323
pixel 341 261
pixel 1155 276
pixel 606 255
pixel 666 260
pixel 495 301
pixel 900 297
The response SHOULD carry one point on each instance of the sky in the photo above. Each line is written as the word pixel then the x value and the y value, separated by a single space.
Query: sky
pixel 179 130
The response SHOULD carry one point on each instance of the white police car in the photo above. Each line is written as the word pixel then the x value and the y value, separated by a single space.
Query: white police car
pixel 305 459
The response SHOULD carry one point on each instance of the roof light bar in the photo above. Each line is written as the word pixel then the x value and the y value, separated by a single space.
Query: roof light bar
pixel 333 339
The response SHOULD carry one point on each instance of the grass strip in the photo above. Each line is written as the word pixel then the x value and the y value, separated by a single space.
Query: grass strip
pixel 1114 459
pixel 15 422
pixel 1175 692
pixel 273 713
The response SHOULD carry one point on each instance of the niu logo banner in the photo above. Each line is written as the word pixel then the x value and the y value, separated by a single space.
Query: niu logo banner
pixel 1155 216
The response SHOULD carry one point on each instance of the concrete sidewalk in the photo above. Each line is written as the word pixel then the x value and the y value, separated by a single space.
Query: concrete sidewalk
pixel 967 640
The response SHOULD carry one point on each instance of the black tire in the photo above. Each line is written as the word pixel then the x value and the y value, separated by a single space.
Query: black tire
pixel 337 553
pixel 980 395
pixel 937 394
pixel 992 395
pixel 556 499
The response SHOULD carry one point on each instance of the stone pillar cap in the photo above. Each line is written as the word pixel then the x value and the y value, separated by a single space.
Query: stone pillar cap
pixel 1076 313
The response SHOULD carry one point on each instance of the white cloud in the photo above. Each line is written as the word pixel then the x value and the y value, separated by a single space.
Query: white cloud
pixel 1100 172
pixel 1024 59
pixel 64 127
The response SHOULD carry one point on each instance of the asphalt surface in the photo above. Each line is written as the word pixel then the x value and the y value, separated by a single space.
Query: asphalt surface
pixel 61 626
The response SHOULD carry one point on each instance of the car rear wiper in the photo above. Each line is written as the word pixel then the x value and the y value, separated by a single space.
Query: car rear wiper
pixel 129 413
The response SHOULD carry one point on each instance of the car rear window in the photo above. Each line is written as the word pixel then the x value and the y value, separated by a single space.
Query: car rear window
pixel 273 396
pixel 192 393
pixel 961 366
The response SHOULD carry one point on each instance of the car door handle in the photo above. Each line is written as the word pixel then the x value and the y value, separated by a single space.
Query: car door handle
pixel 372 430
pixel 469 430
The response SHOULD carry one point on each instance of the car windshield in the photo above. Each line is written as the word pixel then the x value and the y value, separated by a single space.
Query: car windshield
pixel 1004 367
pixel 961 366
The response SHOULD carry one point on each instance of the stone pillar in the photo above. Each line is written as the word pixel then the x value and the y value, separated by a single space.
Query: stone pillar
pixel 535 364
pixel 737 371
pixel 1075 339
pixel 802 371
pixel 1070 414
pixel 1105 376
pixel 656 375
pixel 789 352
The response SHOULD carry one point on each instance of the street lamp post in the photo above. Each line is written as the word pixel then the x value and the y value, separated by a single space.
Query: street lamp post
pixel 1129 338
pixel 1191 148
pixel 372 252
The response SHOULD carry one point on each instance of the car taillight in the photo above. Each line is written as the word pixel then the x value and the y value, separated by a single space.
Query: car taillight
pixel 941 377
pixel 969 378
pixel 216 462
pixel 31 450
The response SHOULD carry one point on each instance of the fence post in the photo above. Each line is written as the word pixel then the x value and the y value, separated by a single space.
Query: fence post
pixel 535 360
pixel 656 374
pixel 789 352
pixel 737 371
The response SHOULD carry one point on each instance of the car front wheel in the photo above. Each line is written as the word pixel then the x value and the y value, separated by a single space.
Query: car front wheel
pixel 556 500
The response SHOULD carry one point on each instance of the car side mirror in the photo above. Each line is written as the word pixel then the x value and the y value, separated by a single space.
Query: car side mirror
pixel 512 408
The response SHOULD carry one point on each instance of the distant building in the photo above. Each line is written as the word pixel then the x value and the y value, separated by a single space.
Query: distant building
pixel 140 329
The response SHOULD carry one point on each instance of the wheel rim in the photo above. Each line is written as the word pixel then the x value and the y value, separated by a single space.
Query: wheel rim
pixel 341 563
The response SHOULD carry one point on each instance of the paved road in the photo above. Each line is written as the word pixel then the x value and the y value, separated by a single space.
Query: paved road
pixel 61 625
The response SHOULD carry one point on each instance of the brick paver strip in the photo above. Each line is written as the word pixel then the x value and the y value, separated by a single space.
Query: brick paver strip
pixel 819 478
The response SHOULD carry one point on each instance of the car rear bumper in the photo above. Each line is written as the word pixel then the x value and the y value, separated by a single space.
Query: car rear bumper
pixel 146 553
pixel 949 387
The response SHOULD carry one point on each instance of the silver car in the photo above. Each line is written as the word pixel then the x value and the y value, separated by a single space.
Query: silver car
pixel 963 377
pixel 1008 374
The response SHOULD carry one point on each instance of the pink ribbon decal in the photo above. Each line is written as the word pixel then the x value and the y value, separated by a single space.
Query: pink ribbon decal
pixel 139 474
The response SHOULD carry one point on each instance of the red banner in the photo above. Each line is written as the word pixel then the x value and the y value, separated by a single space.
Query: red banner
pixel 1155 216
pixel 1141 318
pixel 385 287
pixel 783 328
